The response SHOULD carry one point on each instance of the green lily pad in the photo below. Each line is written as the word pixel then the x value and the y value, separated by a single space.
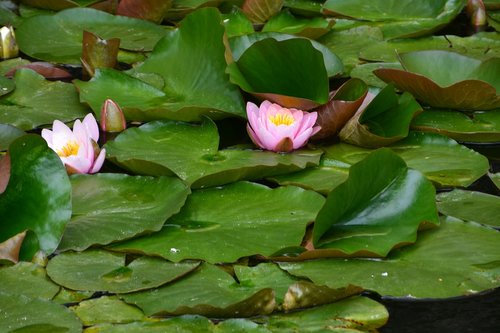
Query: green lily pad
pixel 442 160
pixel 471 206
pixel 225 225
pixel 472 265
pixel 447 79
pixel 112 207
pixel 385 203
pixel 38 195
pixel 290 73
pixel 6 85
pixel 398 21
pixel 191 152
pixel 365 72
pixel 208 291
pixel 174 324
pixel 97 270
pixel 37 101
pixel 240 44
pixel 237 23
pixel 168 85
pixel 495 178
pixel 385 120
pixel 286 22
pixel 304 7
pixel 181 8
pixel 21 313
pixel 107 309
pixel 8 134
pixel 58 38
pixel 27 279
pixel 58 4
pixel 66 296
pixel 479 126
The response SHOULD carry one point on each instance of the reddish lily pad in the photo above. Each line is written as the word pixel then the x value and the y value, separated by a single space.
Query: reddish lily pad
pixel 46 69
pixel 259 11
pixel 447 80
pixel 150 10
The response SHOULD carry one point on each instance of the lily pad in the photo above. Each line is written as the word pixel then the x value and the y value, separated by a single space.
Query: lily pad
pixel 191 152
pixel 471 206
pixel 225 225
pixel 419 271
pixel 237 23
pixel 479 126
pixel 27 279
pixel 97 270
pixel 36 101
pixel 259 11
pixel 168 85
pixel 107 309
pixel 447 80
pixel 21 313
pixel 240 44
pixel 112 207
pixel 365 72
pixel 442 160
pixel 208 291
pixel 385 203
pixel 385 120
pixel 425 17
pixel 290 73
pixel 495 178
pixel 8 134
pixel 38 195
pixel 58 38
pixel 286 22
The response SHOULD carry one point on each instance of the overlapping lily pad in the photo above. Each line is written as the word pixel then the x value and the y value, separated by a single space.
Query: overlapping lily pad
pixel 191 152
pixel 97 270
pixel 182 79
pixel 225 224
pixel 8 134
pixel 37 197
pixel 58 38
pixel 112 207
pixel 107 309
pixel 286 22
pixel 396 19
pixel 442 160
pixel 470 206
pixel 446 79
pixel 472 265
pixel 385 203
pixel 27 279
pixel 385 120
pixel 36 101
pixel 289 72
pixel 479 126
pixel 21 313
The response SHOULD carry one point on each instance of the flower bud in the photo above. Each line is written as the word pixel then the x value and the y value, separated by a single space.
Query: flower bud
pixel 112 117
pixel 8 46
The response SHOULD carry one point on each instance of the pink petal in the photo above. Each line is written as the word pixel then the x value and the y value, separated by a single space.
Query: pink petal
pixel 98 161
pixel 254 137
pixel 308 120
pixel 252 114
pixel 91 127
pixel 61 128
pixel 265 105
pixel 79 165
pixel 301 140
pixel 268 140
pixel 47 135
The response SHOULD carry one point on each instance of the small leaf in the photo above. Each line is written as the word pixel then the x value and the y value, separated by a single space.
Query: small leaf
pixel 46 69
pixel 259 11
pixel 98 53
pixel 150 10
pixel 286 22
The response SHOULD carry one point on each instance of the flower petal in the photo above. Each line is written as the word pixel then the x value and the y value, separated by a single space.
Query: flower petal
pixel 76 164
pixel 47 135
pixel 99 161
pixel 91 127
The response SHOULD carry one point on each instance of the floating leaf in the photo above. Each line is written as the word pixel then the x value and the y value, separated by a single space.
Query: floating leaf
pixel 471 265
pixel 240 44
pixel 27 279
pixel 365 72
pixel 98 270
pixel 471 206
pixel 343 104
pixel 8 134
pixel 58 4
pixel 447 80
pixel 385 203
pixel 20 313
pixel 290 73
pixel 477 126
pixel 259 11
pixel 150 10
pixel 286 22
pixel 181 8
pixel 58 38
pixel 495 177
pixel 47 70
pixel 237 23
pixel 385 120
pixel 112 207
pixel 36 102
pixel 38 195
pixel 425 17
pixel 6 85
pixel 107 309
pixel 225 225
pixel 150 149
pixel 208 291
pixel 173 87
pixel 98 53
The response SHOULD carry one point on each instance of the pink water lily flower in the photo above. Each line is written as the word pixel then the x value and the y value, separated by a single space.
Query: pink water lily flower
pixel 77 149
pixel 273 127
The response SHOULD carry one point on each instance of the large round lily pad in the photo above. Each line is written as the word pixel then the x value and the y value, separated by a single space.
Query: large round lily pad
pixel 446 79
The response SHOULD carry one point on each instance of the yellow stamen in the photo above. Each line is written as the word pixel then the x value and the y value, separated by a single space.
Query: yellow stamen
pixel 282 119
pixel 70 149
